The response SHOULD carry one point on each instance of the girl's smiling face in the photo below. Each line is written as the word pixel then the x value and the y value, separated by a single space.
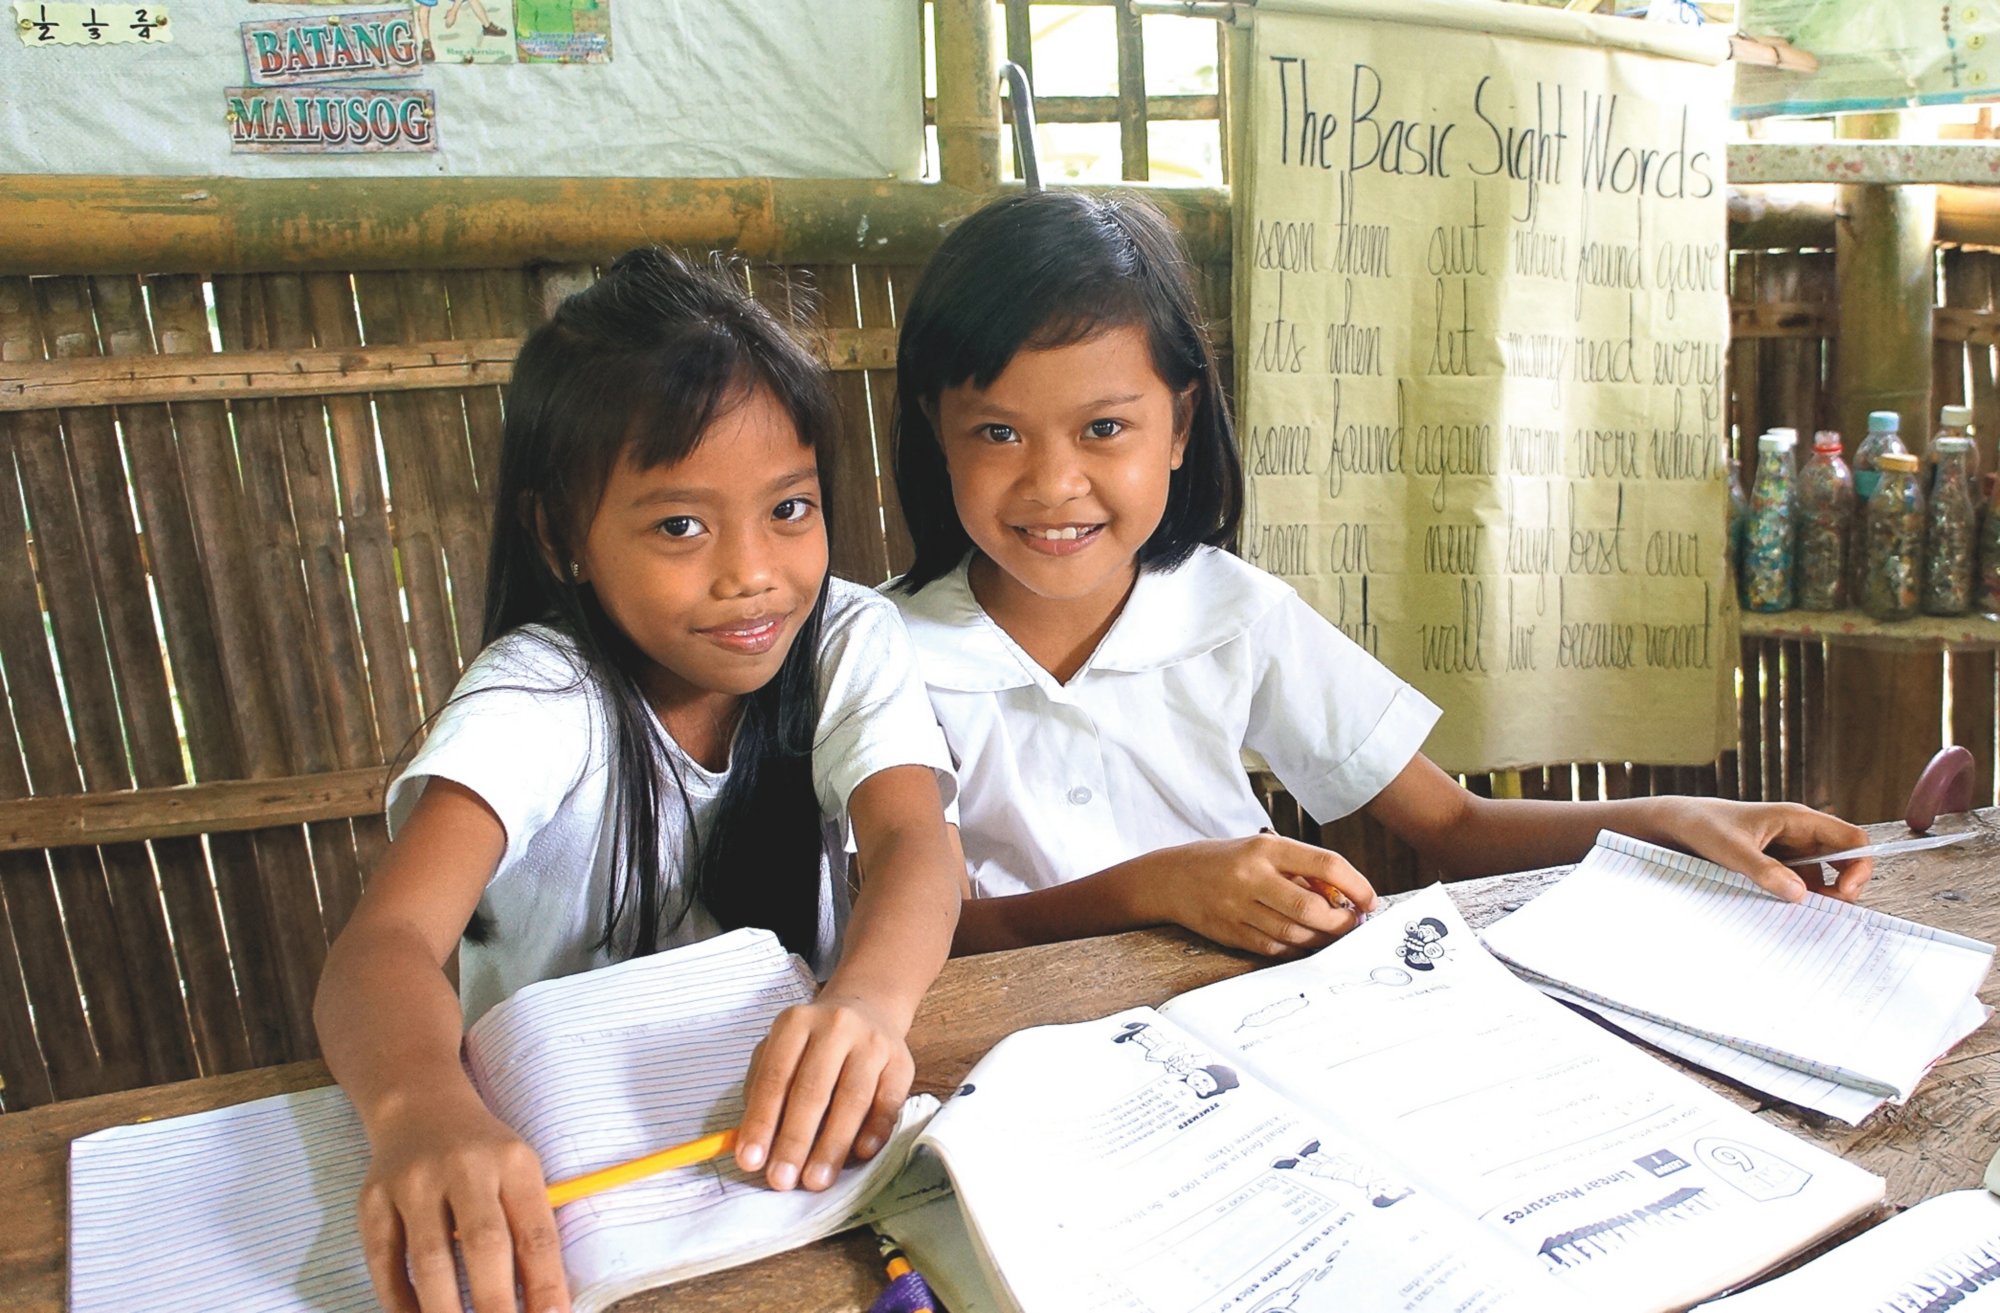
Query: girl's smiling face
pixel 710 565
pixel 1060 470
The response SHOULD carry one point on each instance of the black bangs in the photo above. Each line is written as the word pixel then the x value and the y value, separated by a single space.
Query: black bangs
pixel 1044 270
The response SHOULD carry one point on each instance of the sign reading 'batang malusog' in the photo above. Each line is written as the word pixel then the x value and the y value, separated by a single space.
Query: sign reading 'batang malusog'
pixel 1480 334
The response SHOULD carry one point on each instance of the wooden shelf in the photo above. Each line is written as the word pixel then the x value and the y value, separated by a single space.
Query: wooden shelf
pixel 1932 633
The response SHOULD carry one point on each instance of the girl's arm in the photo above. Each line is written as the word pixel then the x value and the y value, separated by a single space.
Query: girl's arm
pixel 390 1027
pixel 1463 834
pixel 1262 893
pixel 833 1074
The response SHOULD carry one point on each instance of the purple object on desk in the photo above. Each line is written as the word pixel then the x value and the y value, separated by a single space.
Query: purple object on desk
pixel 908 1293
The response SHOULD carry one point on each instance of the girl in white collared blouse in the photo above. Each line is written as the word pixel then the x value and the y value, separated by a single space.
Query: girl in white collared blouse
pixel 1100 662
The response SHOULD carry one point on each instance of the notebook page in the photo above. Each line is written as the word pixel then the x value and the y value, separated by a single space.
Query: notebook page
pixel 597 1069
pixel 1845 1102
pixel 1635 1186
pixel 1116 1166
pixel 1942 1254
pixel 248 1208
pixel 1838 991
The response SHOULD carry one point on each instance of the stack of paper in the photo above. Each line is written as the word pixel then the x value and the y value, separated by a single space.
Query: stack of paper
pixel 1823 1003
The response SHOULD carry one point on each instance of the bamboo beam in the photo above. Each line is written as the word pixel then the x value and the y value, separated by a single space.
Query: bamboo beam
pixel 1194 108
pixel 107 225
pixel 1781 319
pixel 968 101
pixel 129 380
pixel 1795 218
pixel 214 808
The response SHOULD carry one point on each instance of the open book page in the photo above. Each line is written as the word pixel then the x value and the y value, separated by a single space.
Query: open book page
pixel 1849 1104
pixel 1835 990
pixel 1117 1166
pixel 597 1069
pixel 1628 1181
pixel 1942 1254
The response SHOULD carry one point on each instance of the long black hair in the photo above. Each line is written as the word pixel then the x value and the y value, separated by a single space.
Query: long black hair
pixel 1050 269
pixel 636 367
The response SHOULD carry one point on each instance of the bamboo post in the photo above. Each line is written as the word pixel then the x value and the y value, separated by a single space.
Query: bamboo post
pixel 1133 149
pixel 968 95
pixel 1883 707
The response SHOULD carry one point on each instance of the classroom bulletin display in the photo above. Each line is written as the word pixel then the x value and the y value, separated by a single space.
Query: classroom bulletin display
pixel 1481 321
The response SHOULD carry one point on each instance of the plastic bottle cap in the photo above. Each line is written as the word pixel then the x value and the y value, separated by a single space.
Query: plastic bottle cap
pixel 1900 461
pixel 1954 417
pixel 1884 421
pixel 1826 440
pixel 1773 442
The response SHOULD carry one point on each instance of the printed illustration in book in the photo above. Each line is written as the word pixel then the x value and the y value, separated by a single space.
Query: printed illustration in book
pixel 1395 1123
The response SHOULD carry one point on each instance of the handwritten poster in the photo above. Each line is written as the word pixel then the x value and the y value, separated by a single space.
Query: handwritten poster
pixel 1481 330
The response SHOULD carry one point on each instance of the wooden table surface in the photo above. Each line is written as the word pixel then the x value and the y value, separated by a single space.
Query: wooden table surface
pixel 1939 1141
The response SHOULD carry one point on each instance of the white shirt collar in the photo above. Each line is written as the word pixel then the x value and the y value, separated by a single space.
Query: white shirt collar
pixel 1170 617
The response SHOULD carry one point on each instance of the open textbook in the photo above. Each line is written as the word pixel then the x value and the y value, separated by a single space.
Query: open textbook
pixel 1942 1254
pixel 1396 1123
pixel 251 1208
pixel 1827 1004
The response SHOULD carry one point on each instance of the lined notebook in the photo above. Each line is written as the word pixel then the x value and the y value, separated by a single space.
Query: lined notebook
pixel 1827 1004
pixel 251 1208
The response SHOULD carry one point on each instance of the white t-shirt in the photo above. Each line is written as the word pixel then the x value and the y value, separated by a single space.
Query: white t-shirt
pixel 527 731
pixel 1142 748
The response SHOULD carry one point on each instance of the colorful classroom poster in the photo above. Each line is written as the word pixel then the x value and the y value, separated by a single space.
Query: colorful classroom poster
pixel 62 24
pixel 467 31
pixel 563 31
pixel 330 118
pixel 1872 55
pixel 368 44
pixel 1480 337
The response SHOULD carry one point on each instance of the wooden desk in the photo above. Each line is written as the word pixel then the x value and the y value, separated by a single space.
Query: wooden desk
pixel 1939 1141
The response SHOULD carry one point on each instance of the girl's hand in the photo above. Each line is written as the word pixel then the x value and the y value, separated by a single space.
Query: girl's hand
pixel 453 1167
pixel 1266 894
pixel 1757 838
pixel 830 1077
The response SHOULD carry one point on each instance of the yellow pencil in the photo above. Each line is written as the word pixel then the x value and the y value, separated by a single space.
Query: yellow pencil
pixel 680 1155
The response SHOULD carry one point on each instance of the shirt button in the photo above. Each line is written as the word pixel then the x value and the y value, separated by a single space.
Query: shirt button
pixel 1079 795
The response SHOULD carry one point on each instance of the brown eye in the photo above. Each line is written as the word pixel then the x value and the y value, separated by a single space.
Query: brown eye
pixel 792 510
pixel 1106 428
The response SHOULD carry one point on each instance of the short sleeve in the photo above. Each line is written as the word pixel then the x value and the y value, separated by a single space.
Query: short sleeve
pixel 517 732
pixel 875 712
pixel 1335 724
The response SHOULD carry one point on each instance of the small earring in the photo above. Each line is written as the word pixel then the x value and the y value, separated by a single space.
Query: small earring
pixel 575 571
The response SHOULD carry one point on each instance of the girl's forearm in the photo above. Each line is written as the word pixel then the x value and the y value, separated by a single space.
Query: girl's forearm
pixel 374 975
pixel 901 928
pixel 1498 835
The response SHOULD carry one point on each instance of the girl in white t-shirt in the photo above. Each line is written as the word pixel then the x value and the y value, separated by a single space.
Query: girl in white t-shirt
pixel 676 720
pixel 1100 663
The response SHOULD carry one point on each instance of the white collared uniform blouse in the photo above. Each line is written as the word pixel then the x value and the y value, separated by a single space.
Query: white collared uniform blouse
pixel 1142 748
